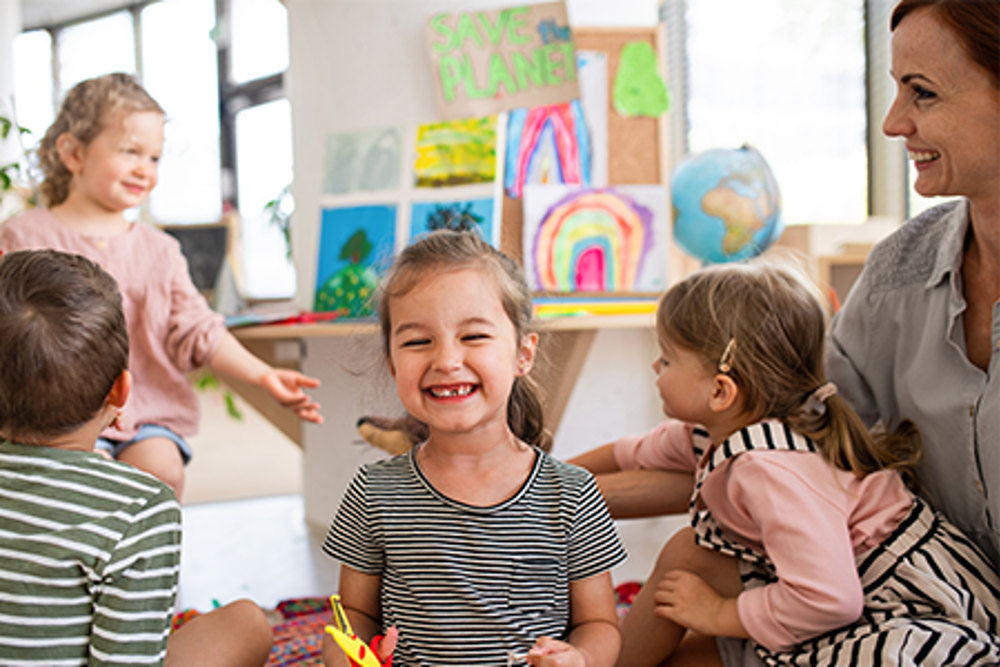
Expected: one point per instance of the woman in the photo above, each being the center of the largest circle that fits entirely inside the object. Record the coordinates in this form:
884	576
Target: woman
918	336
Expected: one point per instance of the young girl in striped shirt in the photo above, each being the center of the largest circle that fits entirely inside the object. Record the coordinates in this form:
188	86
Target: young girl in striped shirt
804	537
476	543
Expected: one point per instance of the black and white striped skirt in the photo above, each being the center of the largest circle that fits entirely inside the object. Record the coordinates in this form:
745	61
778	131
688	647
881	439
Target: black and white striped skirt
931	598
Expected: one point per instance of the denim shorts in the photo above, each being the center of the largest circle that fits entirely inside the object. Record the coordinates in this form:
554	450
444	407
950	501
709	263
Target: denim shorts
146	431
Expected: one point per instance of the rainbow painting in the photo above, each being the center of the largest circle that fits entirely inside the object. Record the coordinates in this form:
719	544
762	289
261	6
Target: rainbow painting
596	239
549	144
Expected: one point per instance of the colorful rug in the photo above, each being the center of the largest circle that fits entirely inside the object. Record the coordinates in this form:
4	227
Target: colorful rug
298	639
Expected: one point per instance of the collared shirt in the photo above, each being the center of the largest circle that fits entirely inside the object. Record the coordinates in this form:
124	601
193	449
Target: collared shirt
897	351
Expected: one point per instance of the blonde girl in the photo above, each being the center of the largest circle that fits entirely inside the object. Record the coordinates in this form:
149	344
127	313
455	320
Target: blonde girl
804	537
475	543
100	158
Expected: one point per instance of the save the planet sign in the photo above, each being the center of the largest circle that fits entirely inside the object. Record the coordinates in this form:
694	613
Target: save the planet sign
489	61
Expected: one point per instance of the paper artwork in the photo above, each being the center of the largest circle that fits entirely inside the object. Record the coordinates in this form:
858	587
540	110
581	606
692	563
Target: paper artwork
355	244
456	152
368	160
638	89
548	144
468	215
596	239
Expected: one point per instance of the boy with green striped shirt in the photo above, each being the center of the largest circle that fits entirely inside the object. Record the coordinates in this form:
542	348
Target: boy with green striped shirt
89	547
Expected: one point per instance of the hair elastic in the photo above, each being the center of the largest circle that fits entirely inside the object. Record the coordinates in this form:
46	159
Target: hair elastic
726	360
816	403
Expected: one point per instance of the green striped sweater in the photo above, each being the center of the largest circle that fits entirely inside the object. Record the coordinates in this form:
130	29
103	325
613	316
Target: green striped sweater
89	559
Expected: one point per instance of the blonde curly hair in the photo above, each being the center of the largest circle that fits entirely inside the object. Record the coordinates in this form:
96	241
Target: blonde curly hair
85	112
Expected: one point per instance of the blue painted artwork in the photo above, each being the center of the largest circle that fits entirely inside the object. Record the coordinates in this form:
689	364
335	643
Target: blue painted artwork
470	214
355	245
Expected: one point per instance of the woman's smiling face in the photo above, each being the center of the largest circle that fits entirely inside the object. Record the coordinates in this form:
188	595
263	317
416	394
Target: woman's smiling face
946	108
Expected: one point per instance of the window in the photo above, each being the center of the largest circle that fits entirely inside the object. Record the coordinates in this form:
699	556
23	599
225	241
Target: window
203	162
802	61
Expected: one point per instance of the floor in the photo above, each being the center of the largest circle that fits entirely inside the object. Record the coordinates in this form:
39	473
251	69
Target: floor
244	526
245	534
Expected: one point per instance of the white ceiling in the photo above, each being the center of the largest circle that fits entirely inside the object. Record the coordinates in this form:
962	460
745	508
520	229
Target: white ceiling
37	13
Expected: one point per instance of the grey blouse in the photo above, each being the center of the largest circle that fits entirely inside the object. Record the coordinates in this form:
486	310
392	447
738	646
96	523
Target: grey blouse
897	351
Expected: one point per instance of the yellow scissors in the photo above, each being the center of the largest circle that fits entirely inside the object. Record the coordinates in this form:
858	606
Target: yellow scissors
359	653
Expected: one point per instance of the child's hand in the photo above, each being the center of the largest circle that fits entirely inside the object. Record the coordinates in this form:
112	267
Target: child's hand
548	652
686	599
286	387
387	645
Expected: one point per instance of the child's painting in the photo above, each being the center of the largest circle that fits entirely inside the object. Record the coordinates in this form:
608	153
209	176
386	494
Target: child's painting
469	215
456	152
354	244
549	144
596	239
368	160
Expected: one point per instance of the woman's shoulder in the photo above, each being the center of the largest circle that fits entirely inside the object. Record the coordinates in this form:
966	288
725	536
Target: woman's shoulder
912	253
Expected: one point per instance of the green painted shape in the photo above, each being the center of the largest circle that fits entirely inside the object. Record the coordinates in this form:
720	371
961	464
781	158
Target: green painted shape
349	290
638	88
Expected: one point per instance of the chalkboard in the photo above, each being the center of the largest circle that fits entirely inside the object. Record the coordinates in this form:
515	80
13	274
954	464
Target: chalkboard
205	247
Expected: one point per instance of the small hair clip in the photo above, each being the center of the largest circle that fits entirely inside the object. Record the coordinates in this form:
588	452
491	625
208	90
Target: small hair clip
816	403
726	360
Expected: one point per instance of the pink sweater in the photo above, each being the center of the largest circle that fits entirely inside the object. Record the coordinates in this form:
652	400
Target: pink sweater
170	326
809	518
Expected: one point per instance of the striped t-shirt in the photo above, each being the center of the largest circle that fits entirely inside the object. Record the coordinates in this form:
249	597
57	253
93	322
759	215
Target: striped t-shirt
466	584
89	558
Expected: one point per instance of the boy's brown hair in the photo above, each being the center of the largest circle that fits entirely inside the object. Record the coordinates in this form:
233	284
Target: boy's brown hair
63	342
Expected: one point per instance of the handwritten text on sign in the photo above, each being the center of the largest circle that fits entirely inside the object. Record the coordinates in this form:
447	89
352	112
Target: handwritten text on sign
489	61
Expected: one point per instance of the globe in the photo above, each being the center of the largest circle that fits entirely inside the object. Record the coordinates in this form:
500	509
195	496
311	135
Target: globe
727	206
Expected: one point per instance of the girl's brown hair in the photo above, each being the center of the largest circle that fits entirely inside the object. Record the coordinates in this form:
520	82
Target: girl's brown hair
976	24
63	342
86	111
767	319
443	251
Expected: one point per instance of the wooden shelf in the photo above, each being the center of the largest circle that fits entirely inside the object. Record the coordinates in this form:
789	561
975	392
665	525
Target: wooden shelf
564	346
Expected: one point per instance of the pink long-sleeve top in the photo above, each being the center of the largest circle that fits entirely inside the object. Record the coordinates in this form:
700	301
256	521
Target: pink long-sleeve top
808	517
170	326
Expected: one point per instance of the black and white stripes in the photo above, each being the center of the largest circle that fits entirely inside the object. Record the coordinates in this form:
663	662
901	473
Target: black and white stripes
466	584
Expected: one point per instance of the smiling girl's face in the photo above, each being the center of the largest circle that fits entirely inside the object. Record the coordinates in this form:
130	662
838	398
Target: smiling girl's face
119	168
454	353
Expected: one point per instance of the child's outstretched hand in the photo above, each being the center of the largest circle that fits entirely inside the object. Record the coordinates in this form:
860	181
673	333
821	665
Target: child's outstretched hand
286	386
549	652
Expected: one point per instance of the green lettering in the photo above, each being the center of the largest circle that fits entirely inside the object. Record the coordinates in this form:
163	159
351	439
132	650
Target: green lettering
527	68
551	67
493	30
499	75
439	25
450	68
569	58
472	91
467	29
516	21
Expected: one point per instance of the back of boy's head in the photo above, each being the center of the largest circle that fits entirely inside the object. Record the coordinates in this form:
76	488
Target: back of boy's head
63	342
84	113
768	314
443	251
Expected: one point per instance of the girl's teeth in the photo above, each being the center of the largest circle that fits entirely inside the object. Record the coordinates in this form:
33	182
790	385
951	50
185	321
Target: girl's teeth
456	391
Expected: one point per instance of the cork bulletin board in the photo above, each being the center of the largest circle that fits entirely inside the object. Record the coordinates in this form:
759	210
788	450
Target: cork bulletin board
637	146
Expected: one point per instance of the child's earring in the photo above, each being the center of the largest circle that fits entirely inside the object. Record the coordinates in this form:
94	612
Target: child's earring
116	423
